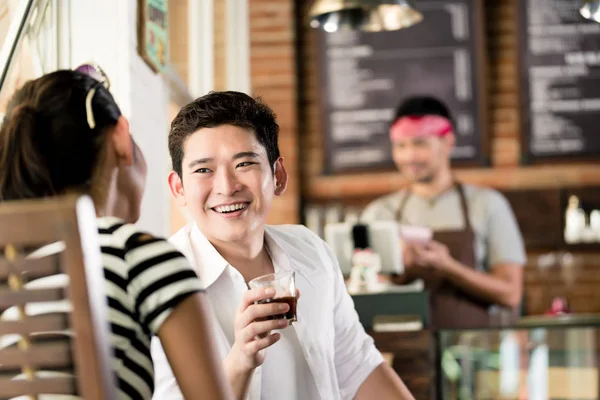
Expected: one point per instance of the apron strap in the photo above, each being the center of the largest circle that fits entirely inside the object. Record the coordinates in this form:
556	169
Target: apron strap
403	204
463	205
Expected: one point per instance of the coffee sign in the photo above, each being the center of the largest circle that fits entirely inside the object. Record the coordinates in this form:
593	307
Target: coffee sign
364	76
153	33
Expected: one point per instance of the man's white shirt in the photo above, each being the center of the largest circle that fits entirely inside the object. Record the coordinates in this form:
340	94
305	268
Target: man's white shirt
326	354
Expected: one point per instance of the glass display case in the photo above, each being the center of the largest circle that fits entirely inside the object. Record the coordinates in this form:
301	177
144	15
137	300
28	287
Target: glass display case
542	358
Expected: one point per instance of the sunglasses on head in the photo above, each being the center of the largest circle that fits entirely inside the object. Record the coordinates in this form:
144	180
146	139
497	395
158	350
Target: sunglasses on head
97	73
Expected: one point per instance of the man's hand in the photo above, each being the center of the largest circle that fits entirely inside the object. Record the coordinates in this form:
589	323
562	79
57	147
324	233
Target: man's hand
408	254
253	331
252	336
430	261
433	255
502	285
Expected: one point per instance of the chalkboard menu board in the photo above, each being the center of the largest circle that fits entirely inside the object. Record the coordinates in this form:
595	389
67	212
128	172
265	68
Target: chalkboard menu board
364	76
560	85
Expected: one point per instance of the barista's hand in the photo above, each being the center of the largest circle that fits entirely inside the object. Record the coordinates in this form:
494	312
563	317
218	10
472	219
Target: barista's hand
415	266
408	255
434	255
412	269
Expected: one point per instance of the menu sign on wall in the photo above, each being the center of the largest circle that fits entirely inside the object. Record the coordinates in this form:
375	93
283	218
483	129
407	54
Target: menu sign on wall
364	76
560	70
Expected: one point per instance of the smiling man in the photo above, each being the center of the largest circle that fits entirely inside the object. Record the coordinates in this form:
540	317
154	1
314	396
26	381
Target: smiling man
226	171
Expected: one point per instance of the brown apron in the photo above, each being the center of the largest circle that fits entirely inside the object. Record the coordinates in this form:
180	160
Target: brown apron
450	307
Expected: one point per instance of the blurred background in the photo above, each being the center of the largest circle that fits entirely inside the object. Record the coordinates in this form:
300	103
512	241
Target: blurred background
522	78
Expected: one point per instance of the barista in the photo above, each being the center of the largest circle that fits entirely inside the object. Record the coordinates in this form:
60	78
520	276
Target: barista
474	261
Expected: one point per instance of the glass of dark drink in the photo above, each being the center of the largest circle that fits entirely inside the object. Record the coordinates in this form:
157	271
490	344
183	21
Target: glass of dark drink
284	284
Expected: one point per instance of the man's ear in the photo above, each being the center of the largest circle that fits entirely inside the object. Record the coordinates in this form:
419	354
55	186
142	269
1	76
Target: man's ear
280	177
450	140
176	187
122	142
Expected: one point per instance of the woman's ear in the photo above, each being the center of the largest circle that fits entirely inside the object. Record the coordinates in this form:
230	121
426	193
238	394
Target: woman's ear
121	141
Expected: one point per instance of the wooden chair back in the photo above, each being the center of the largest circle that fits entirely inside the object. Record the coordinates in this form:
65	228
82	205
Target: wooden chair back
54	329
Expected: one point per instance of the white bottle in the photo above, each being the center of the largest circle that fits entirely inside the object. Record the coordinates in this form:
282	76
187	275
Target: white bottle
510	360
574	221
538	372
595	223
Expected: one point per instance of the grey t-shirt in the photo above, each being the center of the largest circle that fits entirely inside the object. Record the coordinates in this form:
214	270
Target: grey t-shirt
497	236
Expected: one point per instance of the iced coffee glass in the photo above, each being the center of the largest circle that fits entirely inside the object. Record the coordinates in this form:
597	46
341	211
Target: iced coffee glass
284	284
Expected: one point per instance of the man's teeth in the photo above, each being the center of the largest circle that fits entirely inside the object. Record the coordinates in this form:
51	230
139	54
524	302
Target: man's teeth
230	207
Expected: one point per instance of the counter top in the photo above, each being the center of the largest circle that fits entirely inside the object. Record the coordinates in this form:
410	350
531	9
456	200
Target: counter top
382	288
567	320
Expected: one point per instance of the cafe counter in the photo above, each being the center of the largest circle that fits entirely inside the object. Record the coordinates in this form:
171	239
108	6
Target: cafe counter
540	357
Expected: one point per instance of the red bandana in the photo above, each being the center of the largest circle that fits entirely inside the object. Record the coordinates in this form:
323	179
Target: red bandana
426	125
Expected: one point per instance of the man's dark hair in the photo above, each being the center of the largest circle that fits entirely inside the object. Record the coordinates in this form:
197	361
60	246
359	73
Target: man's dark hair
422	105
224	108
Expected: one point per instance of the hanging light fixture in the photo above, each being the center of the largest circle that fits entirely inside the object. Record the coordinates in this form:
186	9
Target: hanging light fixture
590	10
363	15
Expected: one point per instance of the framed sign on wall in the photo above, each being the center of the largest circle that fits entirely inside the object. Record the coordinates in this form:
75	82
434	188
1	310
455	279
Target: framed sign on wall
365	75
153	33
559	61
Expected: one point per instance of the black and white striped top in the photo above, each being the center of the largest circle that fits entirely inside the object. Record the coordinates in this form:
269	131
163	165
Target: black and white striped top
146	278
